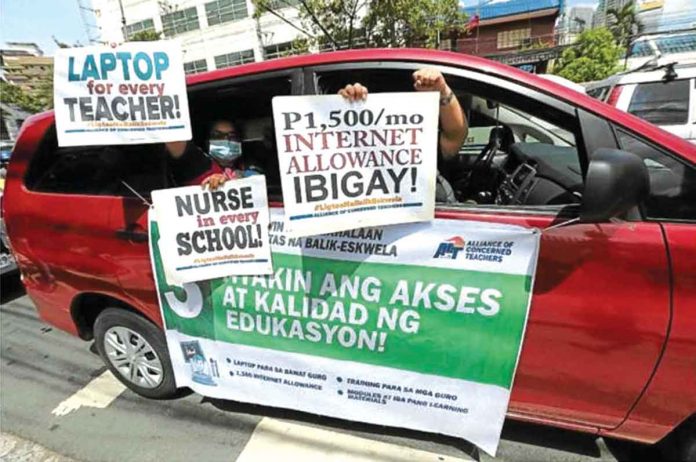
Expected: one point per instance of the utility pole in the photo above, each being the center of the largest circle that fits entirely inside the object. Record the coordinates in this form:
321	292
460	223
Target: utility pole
123	20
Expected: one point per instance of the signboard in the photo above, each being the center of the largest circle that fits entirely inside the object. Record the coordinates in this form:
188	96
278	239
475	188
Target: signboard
417	326
208	234
132	94
348	165
648	5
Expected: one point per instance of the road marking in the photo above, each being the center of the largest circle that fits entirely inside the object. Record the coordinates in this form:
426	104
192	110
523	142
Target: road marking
98	393
274	439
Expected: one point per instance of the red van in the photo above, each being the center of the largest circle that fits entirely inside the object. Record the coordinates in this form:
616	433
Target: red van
610	346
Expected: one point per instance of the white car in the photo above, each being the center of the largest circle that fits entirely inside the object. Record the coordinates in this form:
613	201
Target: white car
664	94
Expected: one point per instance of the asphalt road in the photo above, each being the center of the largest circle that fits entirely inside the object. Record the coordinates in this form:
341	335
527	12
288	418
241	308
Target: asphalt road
41	368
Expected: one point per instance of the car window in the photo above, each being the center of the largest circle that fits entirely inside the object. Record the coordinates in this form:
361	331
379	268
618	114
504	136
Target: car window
510	136
672	181
247	103
662	103
96	170
599	93
640	49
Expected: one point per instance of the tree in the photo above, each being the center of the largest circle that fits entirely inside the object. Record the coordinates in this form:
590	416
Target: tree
40	100
145	36
594	56
340	24
333	24
624	24
407	23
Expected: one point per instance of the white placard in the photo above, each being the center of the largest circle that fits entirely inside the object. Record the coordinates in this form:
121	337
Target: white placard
131	94
209	234
348	165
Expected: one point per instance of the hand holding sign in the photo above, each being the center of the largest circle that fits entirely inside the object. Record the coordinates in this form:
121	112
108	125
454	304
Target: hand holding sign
206	234
344	167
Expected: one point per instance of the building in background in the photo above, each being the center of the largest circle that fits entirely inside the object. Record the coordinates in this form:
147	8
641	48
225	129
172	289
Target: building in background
666	15
213	34
518	32
23	64
600	16
573	22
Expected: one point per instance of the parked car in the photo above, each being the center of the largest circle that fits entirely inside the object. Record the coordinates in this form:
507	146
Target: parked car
661	93
8	265
610	346
673	47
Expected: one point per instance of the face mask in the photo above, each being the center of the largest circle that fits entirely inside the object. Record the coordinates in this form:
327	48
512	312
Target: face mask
225	151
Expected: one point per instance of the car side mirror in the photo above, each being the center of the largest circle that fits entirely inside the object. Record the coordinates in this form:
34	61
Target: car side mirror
616	182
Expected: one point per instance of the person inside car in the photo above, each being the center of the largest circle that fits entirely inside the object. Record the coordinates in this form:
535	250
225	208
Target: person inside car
453	123
190	165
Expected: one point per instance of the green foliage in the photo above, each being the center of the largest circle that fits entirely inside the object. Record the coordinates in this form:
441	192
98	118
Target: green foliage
332	24
624	23
594	56
407	23
145	36
39	100
340	24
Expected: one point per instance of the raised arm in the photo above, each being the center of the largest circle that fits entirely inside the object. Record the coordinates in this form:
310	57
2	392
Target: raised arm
453	125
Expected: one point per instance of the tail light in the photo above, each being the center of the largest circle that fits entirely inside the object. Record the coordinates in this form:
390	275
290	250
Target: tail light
614	95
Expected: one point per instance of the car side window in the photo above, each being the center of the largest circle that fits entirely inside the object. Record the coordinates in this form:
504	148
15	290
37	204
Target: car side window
672	181
661	103
247	103
96	170
518	152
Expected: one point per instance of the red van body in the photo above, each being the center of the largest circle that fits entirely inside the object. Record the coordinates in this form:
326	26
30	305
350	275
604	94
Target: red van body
610	346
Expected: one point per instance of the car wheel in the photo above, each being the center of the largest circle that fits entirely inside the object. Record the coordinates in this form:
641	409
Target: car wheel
135	351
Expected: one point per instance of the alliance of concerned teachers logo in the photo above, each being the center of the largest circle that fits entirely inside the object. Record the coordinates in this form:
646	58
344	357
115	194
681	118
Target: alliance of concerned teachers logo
450	248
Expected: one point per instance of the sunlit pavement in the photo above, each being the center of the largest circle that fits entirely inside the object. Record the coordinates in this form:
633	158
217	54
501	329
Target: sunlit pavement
57	399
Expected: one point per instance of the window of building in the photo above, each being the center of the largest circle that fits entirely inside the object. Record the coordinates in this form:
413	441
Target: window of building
234	59
178	22
676	44
278	50
193	67
275	4
513	38
661	103
641	49
140	26
672	182
222	11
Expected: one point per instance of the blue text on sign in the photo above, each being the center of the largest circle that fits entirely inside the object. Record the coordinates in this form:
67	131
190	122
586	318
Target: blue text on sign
102	66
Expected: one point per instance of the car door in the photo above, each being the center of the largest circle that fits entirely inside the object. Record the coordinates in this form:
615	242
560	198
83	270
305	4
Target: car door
246	101
600	307
61	219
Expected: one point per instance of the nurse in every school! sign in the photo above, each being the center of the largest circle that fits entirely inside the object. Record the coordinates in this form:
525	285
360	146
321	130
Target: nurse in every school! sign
132	94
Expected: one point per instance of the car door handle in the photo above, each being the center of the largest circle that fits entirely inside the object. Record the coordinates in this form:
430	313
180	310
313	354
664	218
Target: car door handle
132	234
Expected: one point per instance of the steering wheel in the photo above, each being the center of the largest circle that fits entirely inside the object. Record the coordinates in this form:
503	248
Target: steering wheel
480	178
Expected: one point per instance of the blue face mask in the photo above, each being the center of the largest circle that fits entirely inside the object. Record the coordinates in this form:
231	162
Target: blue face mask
224	151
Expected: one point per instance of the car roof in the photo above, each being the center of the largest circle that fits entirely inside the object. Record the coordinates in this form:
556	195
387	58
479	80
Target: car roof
460	60
684	70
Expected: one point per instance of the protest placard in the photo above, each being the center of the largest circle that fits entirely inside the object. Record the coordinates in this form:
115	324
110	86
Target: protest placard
417	326
347	165
131	94
208	234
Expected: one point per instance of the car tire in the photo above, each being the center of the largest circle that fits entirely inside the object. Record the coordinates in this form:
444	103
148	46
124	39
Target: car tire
135	351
